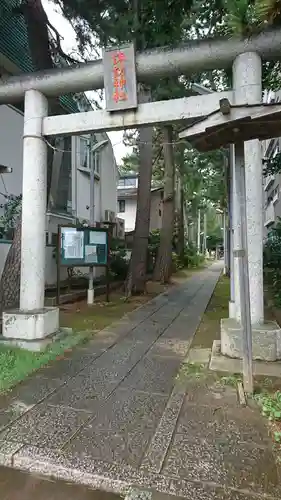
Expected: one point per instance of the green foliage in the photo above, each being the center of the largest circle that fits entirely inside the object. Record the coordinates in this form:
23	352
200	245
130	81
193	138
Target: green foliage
213	241
118	262
177	263
154	241
191	258
17	363
272	166
272	263
270	404
231	380
12	211
242	17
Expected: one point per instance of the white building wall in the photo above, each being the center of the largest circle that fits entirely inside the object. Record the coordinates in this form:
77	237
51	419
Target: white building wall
129	215
109	178
156	211
11	130
105	195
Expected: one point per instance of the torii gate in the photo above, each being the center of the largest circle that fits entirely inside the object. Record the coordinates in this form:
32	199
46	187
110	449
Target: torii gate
33	321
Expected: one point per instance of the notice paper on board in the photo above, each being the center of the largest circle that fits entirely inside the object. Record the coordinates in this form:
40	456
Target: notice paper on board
73	244
91	254
97	238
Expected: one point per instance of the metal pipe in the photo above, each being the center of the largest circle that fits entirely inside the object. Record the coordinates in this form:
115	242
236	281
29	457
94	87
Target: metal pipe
241	255
151	65
199	232
205	234
93	148
90	294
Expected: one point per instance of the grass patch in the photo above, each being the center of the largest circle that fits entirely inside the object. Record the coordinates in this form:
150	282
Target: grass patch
231	380
270	404
80	316
17	363
209	328
194	370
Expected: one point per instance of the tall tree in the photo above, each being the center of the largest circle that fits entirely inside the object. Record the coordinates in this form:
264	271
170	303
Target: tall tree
163	265
149	24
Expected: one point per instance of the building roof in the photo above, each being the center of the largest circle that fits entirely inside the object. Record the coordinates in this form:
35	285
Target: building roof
132	192
14	45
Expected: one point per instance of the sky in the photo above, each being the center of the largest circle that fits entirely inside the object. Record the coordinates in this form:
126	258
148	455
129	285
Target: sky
68	44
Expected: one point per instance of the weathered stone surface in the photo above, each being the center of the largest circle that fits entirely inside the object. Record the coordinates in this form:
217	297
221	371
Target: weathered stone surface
170	347
116	447
35	389
222	423
153	374
266	340
98	381
70	365
139	427
220	363
121	429
205	491
129	410
45	426
158	448
232	465
7	451
210	392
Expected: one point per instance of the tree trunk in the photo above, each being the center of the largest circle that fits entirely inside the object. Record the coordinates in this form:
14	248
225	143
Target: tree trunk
136	278
10	280
38	40
163	265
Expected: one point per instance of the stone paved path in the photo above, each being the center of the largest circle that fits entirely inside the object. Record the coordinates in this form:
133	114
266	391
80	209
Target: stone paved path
114	413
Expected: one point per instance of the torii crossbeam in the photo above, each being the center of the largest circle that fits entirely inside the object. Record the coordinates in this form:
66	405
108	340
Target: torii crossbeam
241	123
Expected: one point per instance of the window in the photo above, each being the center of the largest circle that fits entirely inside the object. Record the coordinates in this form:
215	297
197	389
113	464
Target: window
128	182
121	206
131	182
97	161
84	152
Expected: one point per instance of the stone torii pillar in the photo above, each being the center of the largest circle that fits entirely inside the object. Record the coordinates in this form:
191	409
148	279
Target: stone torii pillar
247	78
32	322
247	86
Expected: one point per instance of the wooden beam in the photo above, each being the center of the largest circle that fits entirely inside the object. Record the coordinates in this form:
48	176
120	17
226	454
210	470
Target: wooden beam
254	113
152	113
